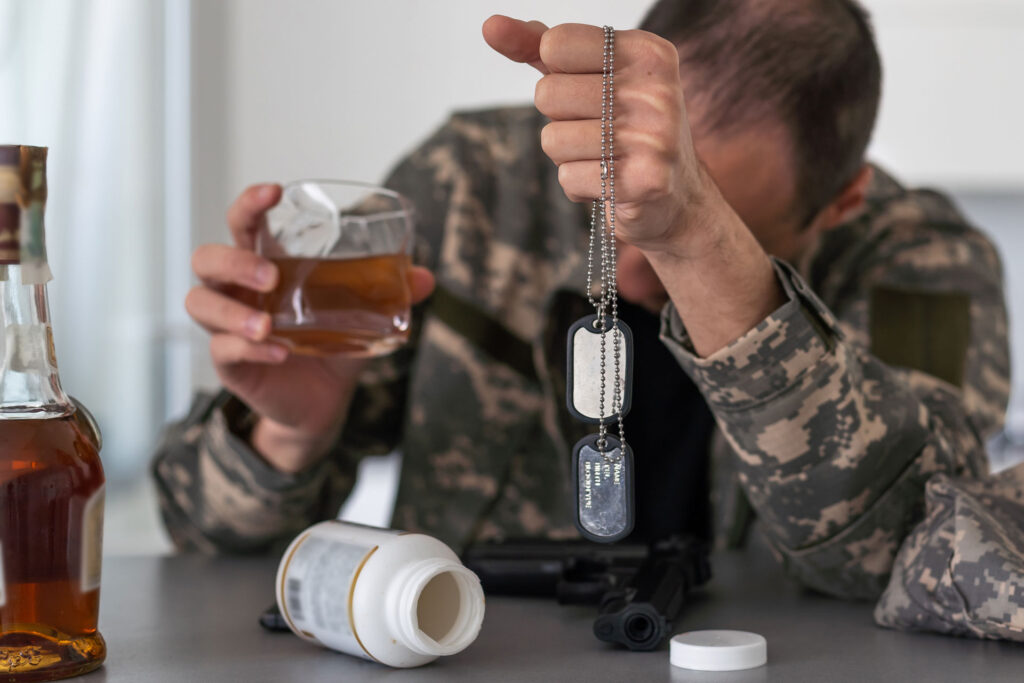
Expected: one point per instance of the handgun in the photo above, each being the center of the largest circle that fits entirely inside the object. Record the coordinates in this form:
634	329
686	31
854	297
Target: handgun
640	590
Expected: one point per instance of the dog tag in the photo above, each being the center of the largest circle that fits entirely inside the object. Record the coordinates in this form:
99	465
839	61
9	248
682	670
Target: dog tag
604	489
583	388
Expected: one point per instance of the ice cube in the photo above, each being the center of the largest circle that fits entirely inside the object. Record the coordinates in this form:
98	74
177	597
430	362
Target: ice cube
306	222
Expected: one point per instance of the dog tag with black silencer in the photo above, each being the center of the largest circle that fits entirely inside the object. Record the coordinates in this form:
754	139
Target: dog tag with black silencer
583	388
604	489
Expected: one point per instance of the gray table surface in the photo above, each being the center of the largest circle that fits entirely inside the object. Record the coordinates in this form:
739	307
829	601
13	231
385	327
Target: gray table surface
189	618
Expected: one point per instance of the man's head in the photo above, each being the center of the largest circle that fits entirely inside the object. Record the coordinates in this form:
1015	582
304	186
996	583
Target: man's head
782	97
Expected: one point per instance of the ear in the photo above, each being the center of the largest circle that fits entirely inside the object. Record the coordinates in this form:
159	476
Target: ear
848	202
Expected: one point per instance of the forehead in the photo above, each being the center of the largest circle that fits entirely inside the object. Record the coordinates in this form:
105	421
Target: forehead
751	162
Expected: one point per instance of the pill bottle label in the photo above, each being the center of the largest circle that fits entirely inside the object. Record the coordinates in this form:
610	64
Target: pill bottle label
317	587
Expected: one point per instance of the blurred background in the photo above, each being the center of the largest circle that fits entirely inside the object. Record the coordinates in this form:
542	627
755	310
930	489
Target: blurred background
159	112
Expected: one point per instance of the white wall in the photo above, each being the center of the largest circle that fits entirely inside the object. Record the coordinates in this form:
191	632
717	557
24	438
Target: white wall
322	87
300	88
952	98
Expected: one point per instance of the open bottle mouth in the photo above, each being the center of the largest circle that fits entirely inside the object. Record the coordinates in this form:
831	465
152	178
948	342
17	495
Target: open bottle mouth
441	609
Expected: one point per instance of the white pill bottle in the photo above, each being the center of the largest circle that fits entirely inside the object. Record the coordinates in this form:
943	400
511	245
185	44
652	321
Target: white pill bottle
401	599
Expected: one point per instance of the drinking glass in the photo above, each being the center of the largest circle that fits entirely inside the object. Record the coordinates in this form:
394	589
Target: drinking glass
342	249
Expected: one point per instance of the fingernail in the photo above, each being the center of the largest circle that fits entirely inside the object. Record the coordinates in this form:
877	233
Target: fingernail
255	325
277	353
264	275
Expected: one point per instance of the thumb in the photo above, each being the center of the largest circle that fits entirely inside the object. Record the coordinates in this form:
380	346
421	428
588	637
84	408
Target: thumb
517	40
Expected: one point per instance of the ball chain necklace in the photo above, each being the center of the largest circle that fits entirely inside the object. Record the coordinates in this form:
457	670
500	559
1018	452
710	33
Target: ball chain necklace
602	462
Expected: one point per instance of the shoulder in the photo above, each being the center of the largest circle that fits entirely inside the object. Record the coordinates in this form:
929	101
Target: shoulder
477	147
500	120
500	131
912	238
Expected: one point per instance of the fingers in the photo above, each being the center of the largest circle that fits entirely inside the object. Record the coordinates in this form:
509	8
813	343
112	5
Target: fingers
421	283
227	349
220	313
221	264
574	49
579	49
517	40
565	141
637	179
248	213
569	96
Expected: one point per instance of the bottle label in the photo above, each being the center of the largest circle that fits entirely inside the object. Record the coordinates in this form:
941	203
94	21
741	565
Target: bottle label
23	194
317	586
92	540
318	592
10	216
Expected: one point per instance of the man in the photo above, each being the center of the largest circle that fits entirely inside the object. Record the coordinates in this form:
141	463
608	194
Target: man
867	355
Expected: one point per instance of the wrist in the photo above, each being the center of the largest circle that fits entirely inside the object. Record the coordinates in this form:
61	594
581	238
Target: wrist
702	226
717	275
290	450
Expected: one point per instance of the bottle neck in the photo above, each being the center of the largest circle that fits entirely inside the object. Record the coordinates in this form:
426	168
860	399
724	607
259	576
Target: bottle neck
439	607
29	382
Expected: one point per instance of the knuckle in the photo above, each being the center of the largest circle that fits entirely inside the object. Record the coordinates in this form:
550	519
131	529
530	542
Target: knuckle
199	257
664	98
656	179
239	263
549	42
220	348
666	51
568	178
661	143
542	93
227	312
565	176
654	53
548	139
193	300
250	197
235	209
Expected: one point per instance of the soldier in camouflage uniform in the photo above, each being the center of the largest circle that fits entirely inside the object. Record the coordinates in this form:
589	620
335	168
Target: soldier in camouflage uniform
866	359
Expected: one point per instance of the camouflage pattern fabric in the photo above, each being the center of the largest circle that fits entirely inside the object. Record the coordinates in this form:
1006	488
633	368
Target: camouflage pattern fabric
832	445
962	570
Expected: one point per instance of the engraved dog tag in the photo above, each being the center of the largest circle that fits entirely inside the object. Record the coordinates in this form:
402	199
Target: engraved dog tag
583	388
604	489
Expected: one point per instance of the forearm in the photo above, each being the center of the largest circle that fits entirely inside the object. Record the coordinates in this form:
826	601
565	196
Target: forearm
289	450
720	280
217	495
833	446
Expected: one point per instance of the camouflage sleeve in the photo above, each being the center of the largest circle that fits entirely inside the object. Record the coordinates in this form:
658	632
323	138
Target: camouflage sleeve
962	570
833	445
218	495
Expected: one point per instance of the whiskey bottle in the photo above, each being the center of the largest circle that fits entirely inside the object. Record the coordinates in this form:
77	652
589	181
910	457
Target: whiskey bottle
51	480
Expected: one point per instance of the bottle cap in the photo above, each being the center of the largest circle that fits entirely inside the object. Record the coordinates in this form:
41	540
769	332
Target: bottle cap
718	650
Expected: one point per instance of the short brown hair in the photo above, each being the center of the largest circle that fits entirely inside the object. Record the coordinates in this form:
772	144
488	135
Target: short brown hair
810	64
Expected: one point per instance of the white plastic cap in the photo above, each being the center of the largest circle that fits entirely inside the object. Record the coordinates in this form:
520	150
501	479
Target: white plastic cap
718	650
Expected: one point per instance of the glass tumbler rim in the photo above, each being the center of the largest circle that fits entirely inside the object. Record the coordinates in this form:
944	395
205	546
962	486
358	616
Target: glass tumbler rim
380	189
397	207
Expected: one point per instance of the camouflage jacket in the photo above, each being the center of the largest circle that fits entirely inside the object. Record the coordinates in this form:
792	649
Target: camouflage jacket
962	570
888	365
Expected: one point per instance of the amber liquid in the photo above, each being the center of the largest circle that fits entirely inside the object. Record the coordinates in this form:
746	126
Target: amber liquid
357	306
49	471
